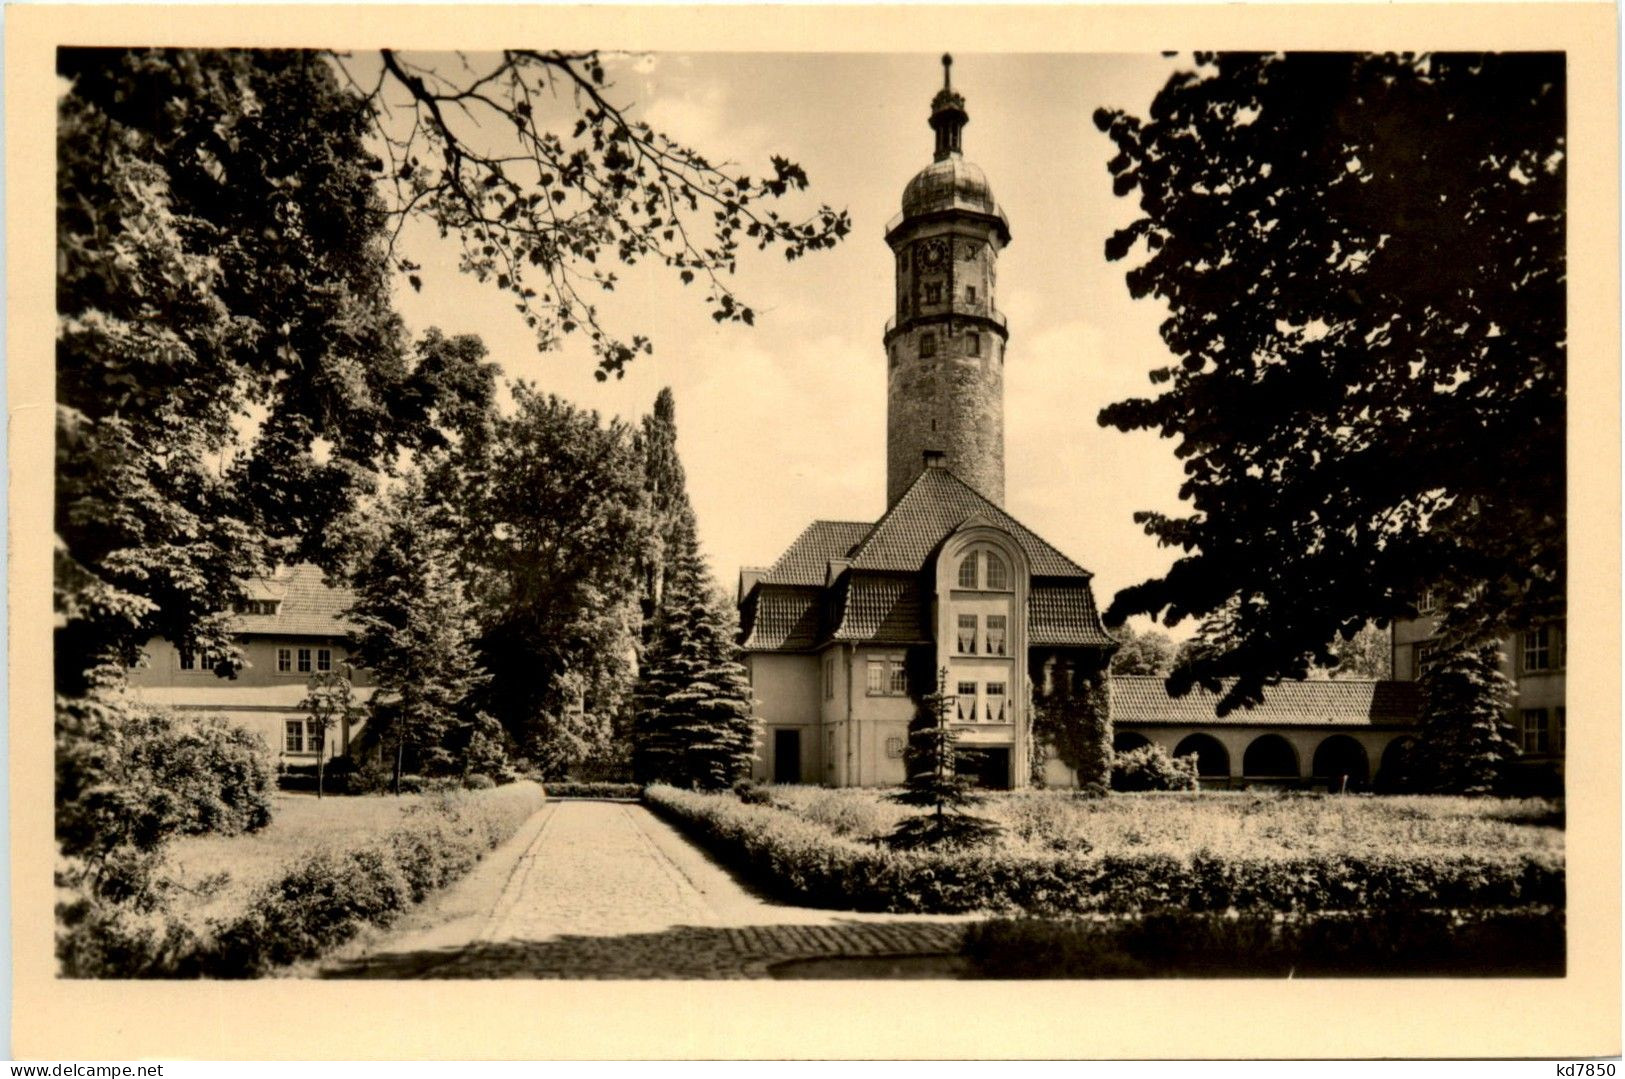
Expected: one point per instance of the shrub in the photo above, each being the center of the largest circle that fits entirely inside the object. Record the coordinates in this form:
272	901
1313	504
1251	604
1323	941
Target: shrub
319	901
1045	821
1497	943
804	862
753	793
479	782
593	790
1150	768
130	775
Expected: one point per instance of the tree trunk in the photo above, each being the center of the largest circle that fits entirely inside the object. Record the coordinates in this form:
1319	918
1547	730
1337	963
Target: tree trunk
321	754
400	749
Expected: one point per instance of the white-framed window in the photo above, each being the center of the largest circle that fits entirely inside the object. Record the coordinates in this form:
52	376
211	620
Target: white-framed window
995	702
1427	654
1537	649
1561	738
304	661
928	345
293	736
967	633
258	606
995	635
973	344
967	702
1534	731
897	678
324	659
1429	601
998	574
877	677
888	677
284	660
967	571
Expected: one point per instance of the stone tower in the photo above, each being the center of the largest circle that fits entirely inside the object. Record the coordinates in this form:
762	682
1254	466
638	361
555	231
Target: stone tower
945	343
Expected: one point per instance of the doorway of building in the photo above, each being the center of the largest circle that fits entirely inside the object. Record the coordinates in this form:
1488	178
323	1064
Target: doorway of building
989	768
787	756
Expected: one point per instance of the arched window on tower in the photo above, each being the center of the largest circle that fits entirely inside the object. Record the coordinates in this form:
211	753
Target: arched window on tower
998	575
967	571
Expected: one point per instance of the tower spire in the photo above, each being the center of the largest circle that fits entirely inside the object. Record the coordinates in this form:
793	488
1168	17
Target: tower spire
948	116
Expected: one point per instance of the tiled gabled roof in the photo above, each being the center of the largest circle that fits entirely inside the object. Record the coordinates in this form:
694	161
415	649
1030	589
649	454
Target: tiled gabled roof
883	609
1061	615
306	605
804	562
1143	699
781	619
934	505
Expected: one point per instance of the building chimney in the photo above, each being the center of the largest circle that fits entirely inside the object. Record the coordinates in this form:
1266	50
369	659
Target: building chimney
935	459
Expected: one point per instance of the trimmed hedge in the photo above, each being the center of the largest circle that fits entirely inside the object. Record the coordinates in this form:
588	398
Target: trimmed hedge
321	900
805	863
593	790
1393	943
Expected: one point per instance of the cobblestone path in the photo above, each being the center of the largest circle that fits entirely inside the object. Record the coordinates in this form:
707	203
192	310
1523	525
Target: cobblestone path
598	889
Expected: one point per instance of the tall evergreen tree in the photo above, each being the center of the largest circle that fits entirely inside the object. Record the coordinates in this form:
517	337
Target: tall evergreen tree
1465	746
694	725
415	632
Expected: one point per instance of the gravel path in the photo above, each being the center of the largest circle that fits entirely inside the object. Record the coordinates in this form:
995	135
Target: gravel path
600	889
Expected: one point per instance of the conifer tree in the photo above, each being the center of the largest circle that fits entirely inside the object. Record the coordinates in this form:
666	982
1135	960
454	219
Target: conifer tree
1464	745
415	632
934	760
694	725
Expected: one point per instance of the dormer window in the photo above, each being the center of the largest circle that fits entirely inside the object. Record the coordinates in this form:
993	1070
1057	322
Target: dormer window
259	606
998	575
994	573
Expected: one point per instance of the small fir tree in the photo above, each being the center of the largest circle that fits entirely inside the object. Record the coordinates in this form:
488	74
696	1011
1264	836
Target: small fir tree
934	783
329	701
1465	745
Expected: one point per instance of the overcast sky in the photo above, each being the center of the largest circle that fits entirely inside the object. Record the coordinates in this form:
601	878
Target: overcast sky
785	421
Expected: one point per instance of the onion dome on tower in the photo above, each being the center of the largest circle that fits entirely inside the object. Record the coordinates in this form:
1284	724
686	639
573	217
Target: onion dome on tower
945	342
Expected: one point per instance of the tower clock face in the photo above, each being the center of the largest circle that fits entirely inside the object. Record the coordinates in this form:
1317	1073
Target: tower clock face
933	253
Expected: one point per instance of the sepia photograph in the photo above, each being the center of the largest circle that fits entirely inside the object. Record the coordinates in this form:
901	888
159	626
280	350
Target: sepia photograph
921	513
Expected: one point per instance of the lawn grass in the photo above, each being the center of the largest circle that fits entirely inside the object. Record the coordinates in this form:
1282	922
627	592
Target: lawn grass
1268	824
217	874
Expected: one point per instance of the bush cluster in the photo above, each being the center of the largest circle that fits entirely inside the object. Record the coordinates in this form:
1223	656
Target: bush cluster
1150	768
134	776
804	862
1390	943
593	790
320	901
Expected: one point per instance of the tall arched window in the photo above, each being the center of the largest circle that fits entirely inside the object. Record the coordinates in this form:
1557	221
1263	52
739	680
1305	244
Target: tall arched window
967	571
998	575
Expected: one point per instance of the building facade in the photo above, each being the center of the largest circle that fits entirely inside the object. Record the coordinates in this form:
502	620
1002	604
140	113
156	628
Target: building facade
857	620
1536	662
291	627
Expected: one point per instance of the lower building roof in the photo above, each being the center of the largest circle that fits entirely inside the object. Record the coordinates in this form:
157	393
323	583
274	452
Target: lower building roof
1143	700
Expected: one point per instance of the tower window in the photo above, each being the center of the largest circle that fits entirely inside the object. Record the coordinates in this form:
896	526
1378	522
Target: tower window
967	634
970	293
928	345
973	344
933	293
967	571
997	576
995	634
